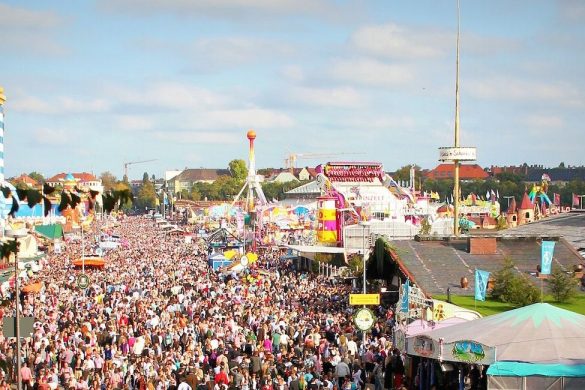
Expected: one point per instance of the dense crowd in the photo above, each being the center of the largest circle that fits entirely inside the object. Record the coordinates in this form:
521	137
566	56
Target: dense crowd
158	317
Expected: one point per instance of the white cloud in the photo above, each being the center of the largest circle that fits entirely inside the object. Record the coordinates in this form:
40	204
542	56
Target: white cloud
58	106
168	95
572	10
25	31
134	122
198	137
328	97
257	118
293	73
371	72
237	10
230	52
393	41
51	137
552	122
21	18
524	90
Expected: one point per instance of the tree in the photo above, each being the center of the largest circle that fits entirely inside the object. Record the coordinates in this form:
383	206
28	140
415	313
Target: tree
145	178
122	186
146	196
37	176
562	286
108	180
238	169
562	165
511	287
403	174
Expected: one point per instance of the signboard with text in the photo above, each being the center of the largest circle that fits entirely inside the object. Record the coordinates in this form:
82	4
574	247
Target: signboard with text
364	299
457	154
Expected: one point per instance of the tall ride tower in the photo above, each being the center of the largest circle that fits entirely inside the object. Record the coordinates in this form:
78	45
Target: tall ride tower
252	183
2	100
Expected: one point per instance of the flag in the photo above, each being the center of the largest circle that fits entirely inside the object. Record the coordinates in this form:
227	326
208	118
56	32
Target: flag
487	195
481	281
557	199
404	301
575	200
547	250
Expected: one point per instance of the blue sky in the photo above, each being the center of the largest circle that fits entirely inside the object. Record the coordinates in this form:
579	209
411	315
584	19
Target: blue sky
92	84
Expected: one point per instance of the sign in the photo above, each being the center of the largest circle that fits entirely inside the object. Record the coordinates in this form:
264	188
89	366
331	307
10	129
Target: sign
457	154
547	250
83	281
364	319
364	299
26	326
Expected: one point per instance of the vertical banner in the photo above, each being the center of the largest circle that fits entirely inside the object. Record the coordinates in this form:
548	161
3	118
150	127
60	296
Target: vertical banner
405	293
547	250
481	281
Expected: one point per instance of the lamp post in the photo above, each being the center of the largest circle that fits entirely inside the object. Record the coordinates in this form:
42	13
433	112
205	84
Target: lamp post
16	234
364	225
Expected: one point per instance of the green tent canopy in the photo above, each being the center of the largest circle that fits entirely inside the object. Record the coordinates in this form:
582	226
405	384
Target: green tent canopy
52	232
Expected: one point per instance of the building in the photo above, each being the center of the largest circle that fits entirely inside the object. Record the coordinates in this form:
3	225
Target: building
466	172
26	180
83	179
521	170
186	179
288	175
558	176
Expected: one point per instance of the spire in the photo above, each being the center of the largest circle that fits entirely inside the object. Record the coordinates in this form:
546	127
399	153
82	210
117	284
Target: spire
526	203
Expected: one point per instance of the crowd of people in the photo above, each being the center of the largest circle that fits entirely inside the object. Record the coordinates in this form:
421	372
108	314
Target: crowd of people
158	317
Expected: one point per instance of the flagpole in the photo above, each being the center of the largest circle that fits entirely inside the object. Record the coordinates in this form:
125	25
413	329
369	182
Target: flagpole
474	289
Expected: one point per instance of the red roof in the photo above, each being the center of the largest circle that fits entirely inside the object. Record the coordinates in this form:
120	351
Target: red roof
83	177
27	180
466	172
526	203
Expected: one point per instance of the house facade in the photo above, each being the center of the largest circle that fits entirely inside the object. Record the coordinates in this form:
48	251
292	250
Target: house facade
186	179
84	179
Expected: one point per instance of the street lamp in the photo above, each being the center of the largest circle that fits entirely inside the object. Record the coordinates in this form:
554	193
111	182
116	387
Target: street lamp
364	225
16	234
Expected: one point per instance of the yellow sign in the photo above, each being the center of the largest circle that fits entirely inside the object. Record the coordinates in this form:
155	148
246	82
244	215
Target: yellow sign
364	299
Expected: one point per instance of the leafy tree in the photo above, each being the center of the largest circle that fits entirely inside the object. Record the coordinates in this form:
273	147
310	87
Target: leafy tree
238	169
562	165
146	195
511	287
562	286
226	187
122	186
145	178
404	173
37	176
108	180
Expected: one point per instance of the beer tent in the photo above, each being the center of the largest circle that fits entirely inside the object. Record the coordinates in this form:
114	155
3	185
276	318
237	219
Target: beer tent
535	346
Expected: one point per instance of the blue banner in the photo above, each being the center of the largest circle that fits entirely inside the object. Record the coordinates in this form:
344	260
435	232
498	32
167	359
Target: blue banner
547	250
405	292
481	281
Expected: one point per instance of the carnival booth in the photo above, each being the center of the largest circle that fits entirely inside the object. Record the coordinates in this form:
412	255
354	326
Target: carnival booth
534	347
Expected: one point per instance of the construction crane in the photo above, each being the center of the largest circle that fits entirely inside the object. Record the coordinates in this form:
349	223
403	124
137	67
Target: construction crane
291	161
127	164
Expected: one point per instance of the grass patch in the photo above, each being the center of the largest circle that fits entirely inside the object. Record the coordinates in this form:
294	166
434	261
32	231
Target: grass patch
490	306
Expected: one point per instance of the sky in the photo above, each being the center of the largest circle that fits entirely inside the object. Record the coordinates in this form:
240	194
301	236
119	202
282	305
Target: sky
93	84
